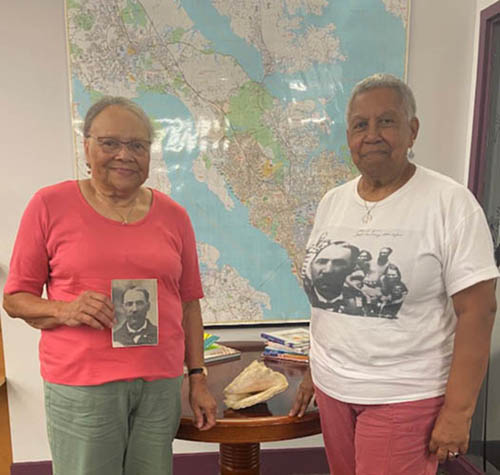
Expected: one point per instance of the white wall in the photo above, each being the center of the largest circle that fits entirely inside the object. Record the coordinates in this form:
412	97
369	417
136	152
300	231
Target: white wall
37	149
35	138
441	52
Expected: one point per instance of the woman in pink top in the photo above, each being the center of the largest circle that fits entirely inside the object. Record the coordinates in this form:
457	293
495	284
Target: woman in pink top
112	385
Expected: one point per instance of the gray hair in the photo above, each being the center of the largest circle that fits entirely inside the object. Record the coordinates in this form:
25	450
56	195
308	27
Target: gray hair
384	80
127	104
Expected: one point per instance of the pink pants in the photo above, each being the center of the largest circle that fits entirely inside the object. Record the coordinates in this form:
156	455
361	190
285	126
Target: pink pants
382	439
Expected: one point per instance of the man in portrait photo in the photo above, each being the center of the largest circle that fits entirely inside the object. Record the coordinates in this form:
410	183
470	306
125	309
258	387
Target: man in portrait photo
324	281
137	329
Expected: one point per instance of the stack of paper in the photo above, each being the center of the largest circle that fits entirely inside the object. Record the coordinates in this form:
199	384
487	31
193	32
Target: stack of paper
287	345
215	352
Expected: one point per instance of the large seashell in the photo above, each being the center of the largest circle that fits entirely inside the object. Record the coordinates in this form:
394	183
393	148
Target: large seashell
256	383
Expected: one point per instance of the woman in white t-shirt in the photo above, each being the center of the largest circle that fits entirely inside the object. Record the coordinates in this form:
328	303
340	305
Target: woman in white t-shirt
400	275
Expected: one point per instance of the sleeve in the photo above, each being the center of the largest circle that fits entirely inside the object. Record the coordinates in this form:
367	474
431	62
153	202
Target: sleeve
190	281
29	265
469	256
319	218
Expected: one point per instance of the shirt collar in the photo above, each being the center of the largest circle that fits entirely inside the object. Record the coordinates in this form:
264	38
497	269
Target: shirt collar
139	330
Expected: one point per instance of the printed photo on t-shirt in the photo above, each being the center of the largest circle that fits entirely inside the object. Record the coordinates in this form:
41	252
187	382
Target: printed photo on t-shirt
359	277
136	311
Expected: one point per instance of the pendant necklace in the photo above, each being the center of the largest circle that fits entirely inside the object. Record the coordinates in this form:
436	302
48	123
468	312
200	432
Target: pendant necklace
368	214
405	176
124	219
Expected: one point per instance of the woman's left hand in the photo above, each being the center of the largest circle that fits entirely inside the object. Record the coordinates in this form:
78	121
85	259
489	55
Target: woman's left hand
450	436
475	308
202	403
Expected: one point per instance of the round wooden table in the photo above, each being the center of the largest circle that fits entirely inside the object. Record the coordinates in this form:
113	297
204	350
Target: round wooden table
240	432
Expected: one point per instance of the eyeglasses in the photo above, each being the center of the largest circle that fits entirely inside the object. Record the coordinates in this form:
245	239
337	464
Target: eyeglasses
111	145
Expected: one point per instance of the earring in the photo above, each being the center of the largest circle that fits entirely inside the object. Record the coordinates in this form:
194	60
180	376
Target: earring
88	167
411	154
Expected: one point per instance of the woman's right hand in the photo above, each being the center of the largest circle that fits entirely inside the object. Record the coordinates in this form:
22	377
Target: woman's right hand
89	308
303	396
42	323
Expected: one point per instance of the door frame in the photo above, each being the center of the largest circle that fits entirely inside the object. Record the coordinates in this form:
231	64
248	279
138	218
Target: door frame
489	17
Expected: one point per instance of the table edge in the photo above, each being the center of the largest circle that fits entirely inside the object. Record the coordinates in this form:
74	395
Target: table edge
250	430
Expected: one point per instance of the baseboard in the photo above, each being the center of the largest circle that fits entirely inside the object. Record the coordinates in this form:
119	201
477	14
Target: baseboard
31	468
304	461
460	466
493	452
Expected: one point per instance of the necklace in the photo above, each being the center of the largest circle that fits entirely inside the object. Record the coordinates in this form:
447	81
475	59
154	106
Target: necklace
124	219
367	217
389	189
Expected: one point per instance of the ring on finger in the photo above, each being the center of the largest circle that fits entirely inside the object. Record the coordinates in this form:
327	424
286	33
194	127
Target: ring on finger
453	454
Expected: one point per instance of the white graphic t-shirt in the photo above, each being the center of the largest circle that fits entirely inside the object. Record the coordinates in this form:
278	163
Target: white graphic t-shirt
379	278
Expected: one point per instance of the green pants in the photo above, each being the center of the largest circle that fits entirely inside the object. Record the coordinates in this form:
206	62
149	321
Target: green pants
118	428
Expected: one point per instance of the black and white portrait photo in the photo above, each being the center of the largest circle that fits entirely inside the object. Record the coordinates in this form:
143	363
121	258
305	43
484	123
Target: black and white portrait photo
342	277
136	309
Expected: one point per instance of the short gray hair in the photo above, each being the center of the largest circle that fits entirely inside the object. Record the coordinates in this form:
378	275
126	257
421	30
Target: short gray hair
384	80
127	104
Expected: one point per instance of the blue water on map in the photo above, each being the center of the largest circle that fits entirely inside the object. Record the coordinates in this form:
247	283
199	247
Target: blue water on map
81	97
362	51
333	81
217	29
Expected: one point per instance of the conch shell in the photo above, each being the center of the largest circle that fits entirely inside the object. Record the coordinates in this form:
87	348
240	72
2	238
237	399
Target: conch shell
256	383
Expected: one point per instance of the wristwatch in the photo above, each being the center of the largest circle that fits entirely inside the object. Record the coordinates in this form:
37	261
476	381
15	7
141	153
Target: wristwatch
201	369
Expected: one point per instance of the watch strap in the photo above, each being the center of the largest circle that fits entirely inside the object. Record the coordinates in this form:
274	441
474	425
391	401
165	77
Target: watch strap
200	370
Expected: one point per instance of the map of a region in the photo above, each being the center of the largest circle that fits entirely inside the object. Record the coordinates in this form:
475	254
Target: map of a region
248	100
